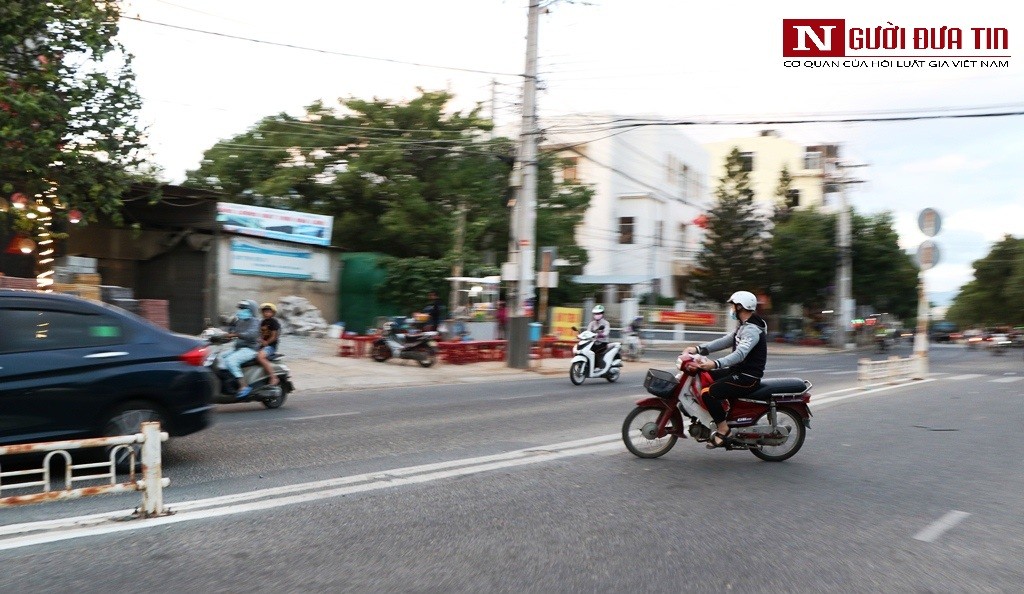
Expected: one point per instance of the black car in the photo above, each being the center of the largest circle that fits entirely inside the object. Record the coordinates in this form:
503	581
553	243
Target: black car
72	368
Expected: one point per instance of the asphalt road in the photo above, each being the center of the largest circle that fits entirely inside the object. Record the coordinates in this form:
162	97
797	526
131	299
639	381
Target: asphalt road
525	486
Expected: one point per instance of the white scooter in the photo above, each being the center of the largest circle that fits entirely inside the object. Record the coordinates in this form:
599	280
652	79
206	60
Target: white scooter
583	365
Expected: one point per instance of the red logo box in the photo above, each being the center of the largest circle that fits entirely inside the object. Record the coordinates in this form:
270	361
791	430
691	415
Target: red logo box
813	38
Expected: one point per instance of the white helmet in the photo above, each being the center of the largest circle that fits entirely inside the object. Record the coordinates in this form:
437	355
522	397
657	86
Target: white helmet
744	299
598	309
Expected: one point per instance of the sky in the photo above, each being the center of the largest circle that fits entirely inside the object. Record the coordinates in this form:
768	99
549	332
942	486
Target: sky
650	58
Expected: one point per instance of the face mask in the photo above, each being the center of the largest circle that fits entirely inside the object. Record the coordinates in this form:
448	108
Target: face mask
732	314
244	314
598	316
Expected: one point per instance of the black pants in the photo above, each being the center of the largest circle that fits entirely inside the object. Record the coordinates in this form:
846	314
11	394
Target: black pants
600	348
727	384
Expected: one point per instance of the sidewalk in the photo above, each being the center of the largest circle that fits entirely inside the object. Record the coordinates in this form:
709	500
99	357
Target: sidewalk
315	367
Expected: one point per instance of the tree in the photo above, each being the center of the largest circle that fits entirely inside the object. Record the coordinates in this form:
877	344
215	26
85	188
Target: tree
736	246
995	294
804	258
884	275
396	177
68	104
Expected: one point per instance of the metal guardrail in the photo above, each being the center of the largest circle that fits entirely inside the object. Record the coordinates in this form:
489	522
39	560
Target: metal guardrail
893	369
151	482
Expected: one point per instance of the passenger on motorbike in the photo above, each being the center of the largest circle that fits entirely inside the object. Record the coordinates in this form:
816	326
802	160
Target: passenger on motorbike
601	328
738	373
245	329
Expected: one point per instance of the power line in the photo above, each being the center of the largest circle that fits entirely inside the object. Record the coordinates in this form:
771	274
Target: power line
319	50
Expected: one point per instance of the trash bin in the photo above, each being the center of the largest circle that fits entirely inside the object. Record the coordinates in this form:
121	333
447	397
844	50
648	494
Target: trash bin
535	331
336	330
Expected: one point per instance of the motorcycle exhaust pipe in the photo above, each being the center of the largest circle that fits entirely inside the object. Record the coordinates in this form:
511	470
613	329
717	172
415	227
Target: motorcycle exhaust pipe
761	435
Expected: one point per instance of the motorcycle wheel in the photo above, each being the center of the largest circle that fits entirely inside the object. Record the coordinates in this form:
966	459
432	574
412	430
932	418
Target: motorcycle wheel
578	373
380	353
638	433
278	400
429	358
797	433
613	375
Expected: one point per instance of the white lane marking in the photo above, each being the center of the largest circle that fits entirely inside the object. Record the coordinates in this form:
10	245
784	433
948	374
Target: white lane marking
1007	380
344	414
935	530
786	369
829	398
381	481
841	372
967	376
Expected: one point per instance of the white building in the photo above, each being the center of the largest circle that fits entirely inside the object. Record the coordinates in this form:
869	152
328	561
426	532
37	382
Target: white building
811	167
649	183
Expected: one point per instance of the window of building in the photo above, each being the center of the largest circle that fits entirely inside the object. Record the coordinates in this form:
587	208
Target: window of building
812	160
659	233
570	172
747	162
670	168
625	229
793	198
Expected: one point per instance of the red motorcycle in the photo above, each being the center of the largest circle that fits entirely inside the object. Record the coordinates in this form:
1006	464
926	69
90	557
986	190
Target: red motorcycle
771	422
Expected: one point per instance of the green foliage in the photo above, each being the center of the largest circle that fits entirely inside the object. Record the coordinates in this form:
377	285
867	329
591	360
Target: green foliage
883	274
995	295
68	104
804	256
408	281
394	176
736	246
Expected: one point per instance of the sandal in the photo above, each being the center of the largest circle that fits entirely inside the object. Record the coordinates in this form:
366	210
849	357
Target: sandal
723	439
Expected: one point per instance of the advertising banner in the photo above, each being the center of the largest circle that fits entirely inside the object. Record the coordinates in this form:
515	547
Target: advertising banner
699	318
253	259
562	321
300	227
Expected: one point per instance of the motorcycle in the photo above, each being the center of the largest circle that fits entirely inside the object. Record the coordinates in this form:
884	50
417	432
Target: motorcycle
771	422
420	347
999	344
255	376
632	347
583	361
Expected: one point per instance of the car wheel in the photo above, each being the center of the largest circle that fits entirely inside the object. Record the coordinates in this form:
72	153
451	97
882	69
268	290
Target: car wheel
127	419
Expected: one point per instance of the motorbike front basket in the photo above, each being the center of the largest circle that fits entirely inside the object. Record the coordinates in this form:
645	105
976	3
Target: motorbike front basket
660	383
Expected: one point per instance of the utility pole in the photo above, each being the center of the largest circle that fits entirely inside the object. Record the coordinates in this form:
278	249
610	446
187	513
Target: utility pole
526	204
524	216
460	240
844	272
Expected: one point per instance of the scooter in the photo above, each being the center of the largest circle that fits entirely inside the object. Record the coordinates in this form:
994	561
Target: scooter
770	422
420	347
583	361
255	375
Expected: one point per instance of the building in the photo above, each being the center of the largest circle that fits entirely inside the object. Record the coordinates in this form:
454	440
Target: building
203	256
812	167
650	184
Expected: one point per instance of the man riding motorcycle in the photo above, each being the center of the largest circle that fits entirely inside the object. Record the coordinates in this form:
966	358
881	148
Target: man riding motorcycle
245	329
738	373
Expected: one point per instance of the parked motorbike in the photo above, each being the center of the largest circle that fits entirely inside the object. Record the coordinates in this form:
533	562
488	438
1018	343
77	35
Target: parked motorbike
771	422
255	375
420	346
583	364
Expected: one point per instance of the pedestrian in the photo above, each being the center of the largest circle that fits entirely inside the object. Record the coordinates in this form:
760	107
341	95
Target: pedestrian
501	315
433	310
739	373
270	331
